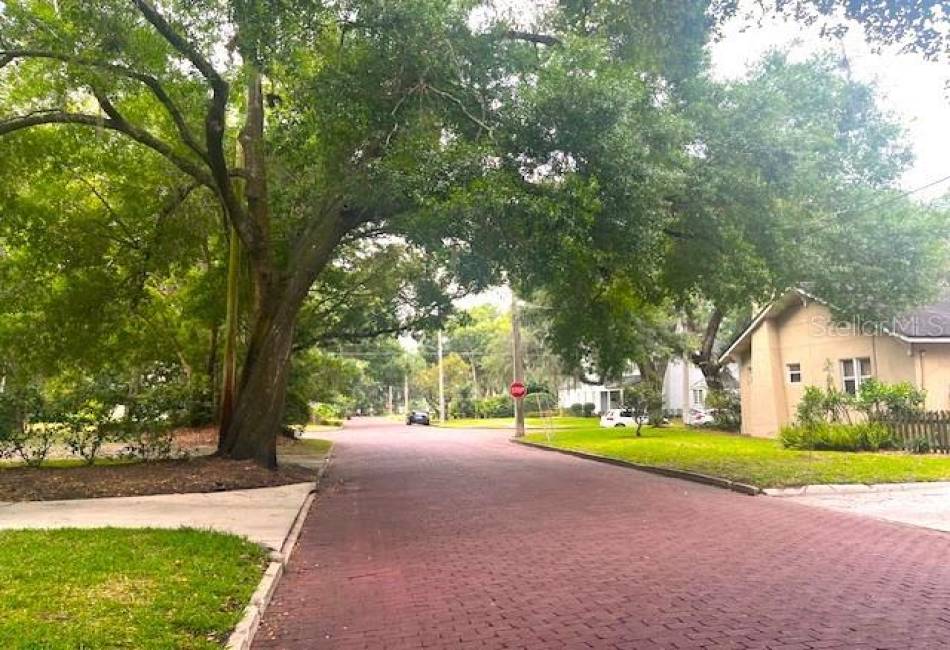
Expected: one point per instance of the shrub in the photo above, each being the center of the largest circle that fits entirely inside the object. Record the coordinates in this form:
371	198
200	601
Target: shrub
24	430
727	409
327	414
919	446
825	436
500	406
576	409
589	409
819	406
150	443
296	410
878	400
87	428
876	436
146	428
795	436
462	407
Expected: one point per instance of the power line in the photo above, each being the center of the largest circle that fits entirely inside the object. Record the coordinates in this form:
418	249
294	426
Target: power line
900	196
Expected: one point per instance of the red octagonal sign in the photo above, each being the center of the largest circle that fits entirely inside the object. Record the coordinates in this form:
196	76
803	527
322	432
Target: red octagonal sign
518	389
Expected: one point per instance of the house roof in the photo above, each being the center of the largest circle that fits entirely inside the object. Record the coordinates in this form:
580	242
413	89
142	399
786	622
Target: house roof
927	324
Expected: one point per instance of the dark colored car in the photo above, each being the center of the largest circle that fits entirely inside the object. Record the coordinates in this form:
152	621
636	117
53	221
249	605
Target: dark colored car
418	417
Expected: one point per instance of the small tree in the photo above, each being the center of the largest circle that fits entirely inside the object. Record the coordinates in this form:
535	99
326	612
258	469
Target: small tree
878	400
645	398
818	406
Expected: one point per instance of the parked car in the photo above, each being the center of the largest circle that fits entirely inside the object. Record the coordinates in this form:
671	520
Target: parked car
625	418
418	417
699	415
622	418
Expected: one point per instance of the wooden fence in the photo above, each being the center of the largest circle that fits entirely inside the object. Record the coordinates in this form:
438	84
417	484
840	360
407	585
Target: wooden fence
922	431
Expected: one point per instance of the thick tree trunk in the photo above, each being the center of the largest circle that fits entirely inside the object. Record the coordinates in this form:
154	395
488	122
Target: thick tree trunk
229	370
704	359
259	408
212	370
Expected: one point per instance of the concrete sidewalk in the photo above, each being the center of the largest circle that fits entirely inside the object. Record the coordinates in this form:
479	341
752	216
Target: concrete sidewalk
263	515
917	504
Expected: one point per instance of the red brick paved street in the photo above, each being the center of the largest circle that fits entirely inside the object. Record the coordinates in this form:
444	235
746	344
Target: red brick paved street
430	538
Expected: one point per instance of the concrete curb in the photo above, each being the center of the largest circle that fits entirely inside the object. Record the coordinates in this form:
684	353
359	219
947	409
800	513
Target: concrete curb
696	477
244	632
852	488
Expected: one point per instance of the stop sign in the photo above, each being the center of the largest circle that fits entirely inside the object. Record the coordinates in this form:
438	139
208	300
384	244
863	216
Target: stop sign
518	389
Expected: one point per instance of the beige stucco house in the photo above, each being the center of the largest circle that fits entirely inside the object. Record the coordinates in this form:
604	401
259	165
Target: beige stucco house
793	342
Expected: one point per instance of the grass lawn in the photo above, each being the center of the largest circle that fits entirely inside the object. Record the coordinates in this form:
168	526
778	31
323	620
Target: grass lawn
757	461
556	422
113	588
318	428
72	462
314	446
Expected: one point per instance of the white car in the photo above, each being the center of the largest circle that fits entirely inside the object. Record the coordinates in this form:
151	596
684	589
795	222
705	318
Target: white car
699	415
622	418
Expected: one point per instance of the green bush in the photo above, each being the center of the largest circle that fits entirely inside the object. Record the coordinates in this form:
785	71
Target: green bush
27	429
727	409
296	410
878	400
88	427
327	414
819	406
501	406
462	407
585	410
825	436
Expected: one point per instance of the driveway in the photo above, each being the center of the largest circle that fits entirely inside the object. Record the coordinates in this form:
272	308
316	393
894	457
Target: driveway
430	538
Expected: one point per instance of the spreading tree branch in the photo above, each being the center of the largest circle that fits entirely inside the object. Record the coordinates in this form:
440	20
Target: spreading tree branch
215	121
540	39
180	43
455	100
141	136
152	83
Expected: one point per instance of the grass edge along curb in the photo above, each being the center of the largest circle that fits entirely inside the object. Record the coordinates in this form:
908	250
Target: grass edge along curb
242	637
696	477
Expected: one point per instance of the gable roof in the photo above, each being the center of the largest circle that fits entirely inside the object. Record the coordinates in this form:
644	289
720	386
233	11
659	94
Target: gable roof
927	324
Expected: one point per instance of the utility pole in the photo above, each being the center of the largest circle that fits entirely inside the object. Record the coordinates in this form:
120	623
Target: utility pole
405	392
518	364
391	399
441	382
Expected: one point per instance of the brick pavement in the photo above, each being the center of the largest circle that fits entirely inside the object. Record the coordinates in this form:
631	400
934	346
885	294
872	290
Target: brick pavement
430	538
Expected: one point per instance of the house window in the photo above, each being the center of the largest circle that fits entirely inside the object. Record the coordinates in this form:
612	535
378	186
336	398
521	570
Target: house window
699	396
795	373
853	373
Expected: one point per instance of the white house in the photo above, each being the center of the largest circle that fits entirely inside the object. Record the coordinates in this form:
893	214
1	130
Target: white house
675	386
603	396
